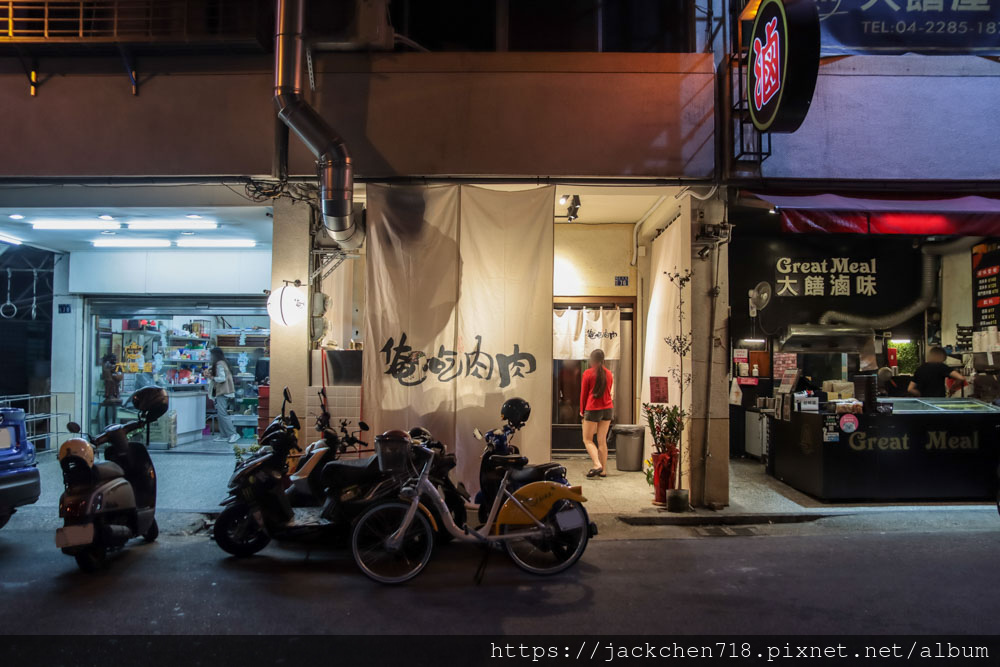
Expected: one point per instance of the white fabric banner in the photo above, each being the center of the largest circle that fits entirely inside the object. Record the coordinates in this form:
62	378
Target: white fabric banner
459	298
578	332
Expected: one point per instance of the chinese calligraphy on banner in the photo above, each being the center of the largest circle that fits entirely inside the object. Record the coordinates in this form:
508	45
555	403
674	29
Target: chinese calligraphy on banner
578	332
458	317
889	27
834	276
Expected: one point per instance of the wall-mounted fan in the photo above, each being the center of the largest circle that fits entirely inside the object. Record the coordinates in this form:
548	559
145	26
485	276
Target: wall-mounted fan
760	296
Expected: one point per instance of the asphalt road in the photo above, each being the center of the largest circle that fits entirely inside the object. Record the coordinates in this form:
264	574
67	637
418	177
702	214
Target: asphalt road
827	577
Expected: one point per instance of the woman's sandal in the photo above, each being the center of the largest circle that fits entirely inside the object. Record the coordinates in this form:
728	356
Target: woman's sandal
596	472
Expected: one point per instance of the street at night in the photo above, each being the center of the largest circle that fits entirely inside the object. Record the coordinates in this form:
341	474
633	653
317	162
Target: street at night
930	572
442	332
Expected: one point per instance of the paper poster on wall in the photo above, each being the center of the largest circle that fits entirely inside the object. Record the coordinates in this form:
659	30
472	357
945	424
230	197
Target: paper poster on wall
659	390
576	332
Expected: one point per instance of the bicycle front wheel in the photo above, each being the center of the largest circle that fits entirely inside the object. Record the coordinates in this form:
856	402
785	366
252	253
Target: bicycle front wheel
557	548
372	553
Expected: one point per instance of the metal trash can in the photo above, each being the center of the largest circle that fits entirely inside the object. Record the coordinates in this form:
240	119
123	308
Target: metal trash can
629	442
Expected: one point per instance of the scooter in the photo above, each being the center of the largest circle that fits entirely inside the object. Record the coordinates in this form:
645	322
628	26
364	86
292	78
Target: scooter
306	488
258	509
107	503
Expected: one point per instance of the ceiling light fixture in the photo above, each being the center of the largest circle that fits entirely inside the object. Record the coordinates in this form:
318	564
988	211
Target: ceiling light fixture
171	224
216	243
9	239
105	216
193	216
187	233
131	243
563	200
108	232
77	224
16	216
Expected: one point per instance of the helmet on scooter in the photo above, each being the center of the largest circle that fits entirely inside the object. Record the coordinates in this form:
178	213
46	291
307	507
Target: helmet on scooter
79	448
151	402
516	411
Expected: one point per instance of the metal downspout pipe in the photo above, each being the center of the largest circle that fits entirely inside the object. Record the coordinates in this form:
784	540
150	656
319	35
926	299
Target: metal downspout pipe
333	161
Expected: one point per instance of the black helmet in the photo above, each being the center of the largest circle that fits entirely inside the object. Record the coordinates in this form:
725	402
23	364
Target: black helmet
516	411
151	402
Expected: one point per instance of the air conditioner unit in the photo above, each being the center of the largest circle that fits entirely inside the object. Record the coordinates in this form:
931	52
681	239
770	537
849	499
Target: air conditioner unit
360	25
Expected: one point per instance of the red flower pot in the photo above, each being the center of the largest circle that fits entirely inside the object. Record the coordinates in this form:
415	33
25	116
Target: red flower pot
664	473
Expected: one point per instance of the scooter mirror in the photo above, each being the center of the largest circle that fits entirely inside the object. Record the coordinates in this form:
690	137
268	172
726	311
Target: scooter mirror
287	395
477	433
363	426
73	427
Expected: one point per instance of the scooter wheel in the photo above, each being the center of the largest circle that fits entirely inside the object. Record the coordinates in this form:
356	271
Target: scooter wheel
92	559
153	532
237	533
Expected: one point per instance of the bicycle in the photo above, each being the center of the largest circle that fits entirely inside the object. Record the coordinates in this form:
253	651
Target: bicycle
542	525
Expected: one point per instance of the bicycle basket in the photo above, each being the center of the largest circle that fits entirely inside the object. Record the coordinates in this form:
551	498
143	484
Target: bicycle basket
393	451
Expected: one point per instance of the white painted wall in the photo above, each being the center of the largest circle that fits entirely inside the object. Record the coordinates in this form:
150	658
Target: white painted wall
588	257
68	344
896	117
956	294
234	272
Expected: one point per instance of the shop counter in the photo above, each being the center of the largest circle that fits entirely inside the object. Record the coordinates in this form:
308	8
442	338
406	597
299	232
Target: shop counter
927	449
189	402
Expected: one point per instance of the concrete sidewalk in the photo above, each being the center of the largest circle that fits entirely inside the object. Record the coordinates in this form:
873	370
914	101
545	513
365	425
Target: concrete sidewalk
755	497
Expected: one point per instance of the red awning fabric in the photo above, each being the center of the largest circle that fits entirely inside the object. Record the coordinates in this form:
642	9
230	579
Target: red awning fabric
924	215
916	224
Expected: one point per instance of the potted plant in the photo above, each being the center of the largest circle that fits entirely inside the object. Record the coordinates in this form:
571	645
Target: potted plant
666	425
667	422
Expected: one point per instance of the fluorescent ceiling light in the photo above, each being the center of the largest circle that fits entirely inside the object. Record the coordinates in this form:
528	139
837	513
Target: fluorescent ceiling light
901	341
9	239
131	243
753	340
172	224
193	216
105	216
16	216
216	243
80	223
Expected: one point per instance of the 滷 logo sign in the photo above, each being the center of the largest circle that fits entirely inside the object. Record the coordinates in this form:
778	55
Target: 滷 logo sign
767	57
782	63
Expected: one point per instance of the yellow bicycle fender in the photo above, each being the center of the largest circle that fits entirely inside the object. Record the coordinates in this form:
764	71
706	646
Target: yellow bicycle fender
538	498
430	517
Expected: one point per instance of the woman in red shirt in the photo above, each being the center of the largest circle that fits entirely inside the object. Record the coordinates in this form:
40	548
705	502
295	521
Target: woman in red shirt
596	408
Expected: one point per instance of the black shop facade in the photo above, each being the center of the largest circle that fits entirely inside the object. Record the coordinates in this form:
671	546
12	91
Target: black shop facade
833	313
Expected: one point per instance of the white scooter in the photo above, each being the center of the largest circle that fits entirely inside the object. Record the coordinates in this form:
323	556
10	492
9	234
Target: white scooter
107	503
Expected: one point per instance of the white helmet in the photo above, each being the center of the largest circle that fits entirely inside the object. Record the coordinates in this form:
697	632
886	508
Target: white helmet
77	447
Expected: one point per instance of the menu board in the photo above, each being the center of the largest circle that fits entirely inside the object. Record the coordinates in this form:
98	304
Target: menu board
985	285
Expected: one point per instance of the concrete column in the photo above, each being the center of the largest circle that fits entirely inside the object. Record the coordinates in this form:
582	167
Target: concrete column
710	386
290	249
69	359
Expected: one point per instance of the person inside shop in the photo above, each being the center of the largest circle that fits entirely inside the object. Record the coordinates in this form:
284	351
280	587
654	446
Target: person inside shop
929	379
223	391
596	408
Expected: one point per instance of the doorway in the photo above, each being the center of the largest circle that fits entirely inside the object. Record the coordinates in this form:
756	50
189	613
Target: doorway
567	429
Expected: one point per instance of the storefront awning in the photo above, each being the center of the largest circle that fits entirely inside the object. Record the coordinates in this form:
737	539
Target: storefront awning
831	213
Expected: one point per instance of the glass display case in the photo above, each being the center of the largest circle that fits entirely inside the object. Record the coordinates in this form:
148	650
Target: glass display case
906	406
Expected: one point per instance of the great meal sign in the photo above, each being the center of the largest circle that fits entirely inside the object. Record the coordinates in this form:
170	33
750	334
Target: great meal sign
832	276
890	27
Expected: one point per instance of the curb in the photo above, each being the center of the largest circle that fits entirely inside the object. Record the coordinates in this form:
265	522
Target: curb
695	519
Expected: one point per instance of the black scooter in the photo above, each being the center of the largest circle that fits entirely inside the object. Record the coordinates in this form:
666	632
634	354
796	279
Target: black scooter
258	508
107	503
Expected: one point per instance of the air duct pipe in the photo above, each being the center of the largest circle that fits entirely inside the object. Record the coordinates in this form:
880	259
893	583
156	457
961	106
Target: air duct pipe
333	162
928	289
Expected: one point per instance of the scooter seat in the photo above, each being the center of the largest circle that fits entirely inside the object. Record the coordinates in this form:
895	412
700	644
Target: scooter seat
534	473
343	473
508	460
105	470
